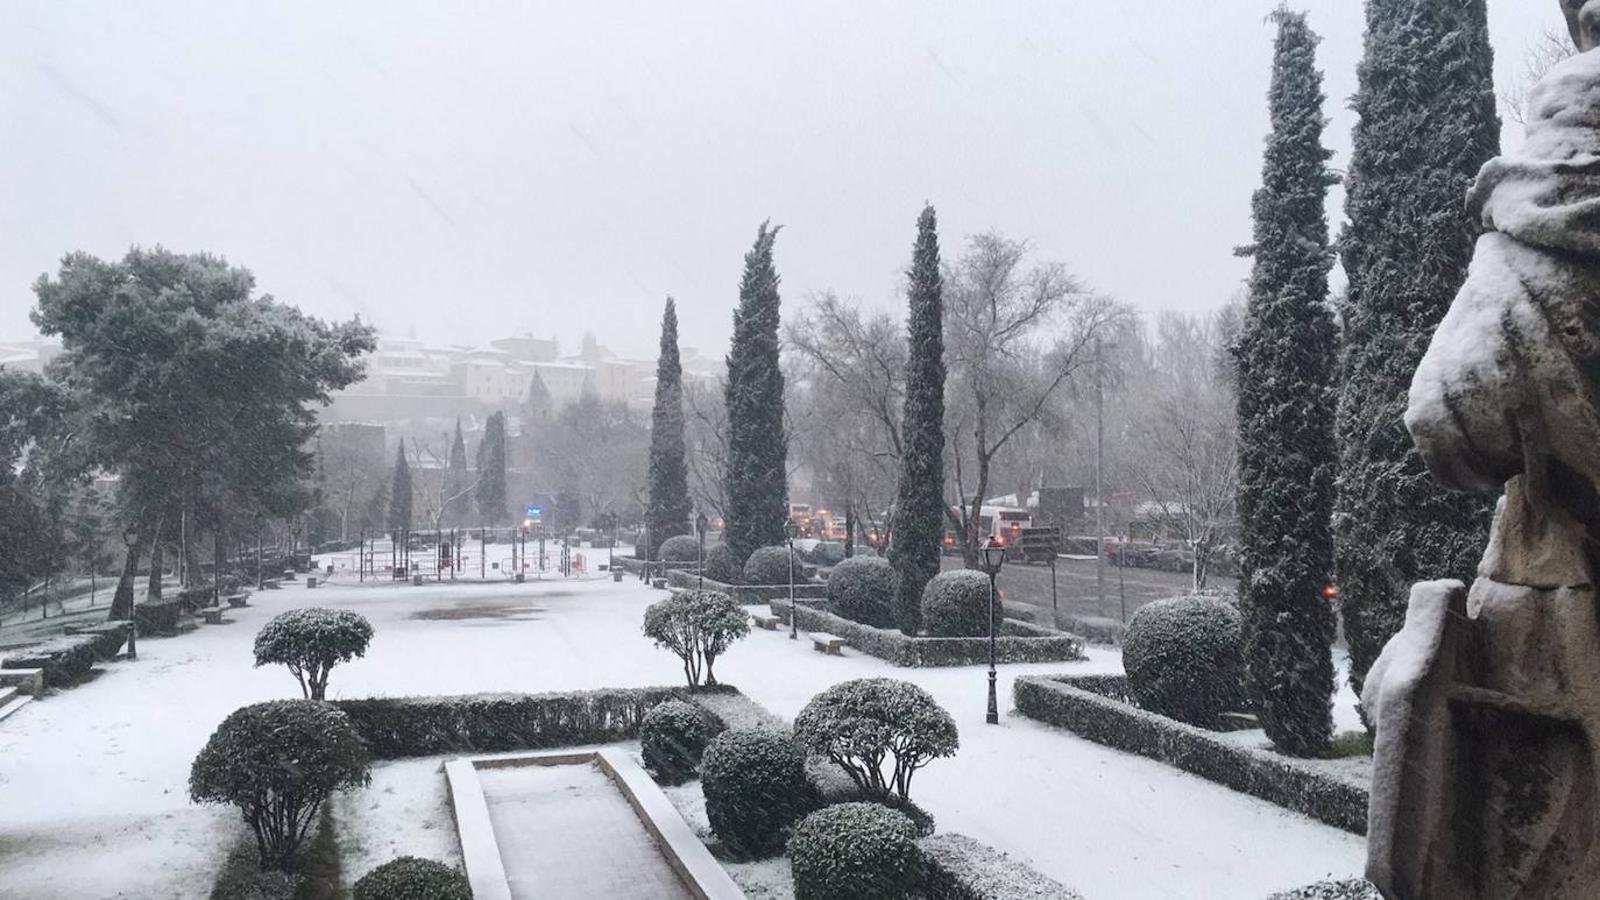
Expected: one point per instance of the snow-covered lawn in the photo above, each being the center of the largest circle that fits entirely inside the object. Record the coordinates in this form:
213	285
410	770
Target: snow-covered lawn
94	803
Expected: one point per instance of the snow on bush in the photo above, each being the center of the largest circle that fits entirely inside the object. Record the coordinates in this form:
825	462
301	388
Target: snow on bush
863	723
697	626
770	565
672	738
722	564
311	642
861	589
855	851
413	878
956	604
1348	889
1185	659
956	867
278	762
755	785
680	548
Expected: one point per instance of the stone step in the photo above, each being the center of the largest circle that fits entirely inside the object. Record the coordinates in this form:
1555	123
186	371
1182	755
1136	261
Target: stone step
7	707
26	681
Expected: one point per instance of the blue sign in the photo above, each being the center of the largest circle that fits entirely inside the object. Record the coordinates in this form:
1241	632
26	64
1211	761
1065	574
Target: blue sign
533	512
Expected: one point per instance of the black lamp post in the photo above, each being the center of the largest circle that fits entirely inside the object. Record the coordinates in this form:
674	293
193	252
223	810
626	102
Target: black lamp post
790	530
700	524
994	556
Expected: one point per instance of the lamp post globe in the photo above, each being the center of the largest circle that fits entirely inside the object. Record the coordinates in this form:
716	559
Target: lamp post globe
994	556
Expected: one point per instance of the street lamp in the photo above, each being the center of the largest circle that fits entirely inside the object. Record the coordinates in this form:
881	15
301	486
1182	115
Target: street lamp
700	524
790	530
994	556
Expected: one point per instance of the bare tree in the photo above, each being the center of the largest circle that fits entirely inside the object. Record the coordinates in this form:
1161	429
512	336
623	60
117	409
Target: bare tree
1541	55
1014	338
1185	456
706	437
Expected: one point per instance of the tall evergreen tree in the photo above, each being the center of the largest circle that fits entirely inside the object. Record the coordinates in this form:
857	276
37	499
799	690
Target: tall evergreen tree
919	512
457	493
1427	122
400	492
1286	404
491	492
668	512
758	449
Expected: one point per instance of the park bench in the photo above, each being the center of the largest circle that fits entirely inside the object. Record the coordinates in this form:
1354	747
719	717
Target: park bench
770	623
822	642
237	601
212	614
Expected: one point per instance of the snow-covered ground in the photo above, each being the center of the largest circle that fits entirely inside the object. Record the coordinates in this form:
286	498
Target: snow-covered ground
93	798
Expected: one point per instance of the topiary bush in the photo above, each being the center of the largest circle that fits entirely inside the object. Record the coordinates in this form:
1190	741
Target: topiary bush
278	762
956	604
722	564
697	626
861	589
770	565
855	851
1184	658
311	642
755	785
413	878
673	736
860	724
680	548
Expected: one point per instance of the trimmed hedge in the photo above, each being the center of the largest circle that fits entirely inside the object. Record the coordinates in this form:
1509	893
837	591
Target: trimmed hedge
956	867
65	660
956	604
672	737
413	878
1091	707
749	594
159	617
1019	642
855	851
1185	658
679	548
756	789
861	589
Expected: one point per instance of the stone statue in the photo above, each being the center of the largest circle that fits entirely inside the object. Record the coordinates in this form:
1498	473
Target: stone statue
1486	777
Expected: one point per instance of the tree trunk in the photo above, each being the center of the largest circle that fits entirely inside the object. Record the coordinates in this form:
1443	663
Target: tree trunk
122	600
153	588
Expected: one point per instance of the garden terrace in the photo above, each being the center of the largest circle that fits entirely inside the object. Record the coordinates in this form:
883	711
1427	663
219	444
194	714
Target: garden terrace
1020	642
1100	708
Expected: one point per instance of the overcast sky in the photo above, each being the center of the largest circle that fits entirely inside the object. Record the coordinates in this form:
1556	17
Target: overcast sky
471	170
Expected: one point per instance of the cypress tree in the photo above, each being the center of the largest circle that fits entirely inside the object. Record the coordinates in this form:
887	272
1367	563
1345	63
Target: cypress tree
491	492
1427	122
400	492
668	512
758	449
919	510
458	499
1286	402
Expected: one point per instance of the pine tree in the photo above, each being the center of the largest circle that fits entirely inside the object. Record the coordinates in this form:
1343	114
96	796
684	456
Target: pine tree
491	492
1286	403
758	449
1427	122
400	493
668	512
458	497
919	507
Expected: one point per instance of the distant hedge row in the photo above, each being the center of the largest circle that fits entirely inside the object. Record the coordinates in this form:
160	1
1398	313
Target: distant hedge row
65	660
1021	641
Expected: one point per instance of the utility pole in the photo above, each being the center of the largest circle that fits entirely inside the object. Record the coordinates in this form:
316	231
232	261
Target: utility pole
1099	481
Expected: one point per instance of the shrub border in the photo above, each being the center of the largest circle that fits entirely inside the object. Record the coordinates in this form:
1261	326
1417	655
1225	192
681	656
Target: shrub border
1023	642
956	867
65	660
1089	706
749	594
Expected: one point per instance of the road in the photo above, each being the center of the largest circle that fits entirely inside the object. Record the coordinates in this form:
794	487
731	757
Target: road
1075	586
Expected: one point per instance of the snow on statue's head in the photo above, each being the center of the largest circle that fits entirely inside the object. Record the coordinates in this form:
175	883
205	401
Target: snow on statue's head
1583	22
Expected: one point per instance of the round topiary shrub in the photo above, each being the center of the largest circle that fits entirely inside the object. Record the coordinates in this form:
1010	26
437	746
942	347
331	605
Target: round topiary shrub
672	736
680	548
770	565
311	642
722	564
278	762
956	604
1184	658
862	723
755	785
413	878
855	851
861	589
